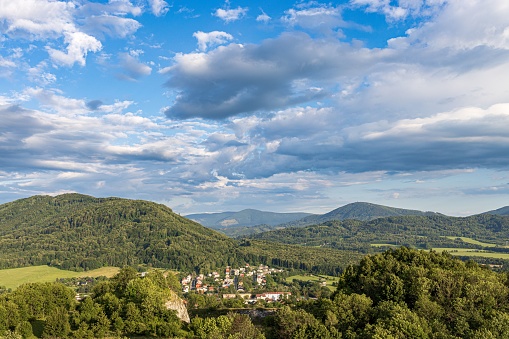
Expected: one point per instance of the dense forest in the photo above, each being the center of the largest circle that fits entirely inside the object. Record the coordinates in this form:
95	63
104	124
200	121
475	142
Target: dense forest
401	293
423	232
79	232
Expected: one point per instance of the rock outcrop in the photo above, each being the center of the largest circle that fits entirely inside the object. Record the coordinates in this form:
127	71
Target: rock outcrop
178	305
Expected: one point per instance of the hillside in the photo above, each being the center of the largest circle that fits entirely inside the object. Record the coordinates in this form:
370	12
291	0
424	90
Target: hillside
500	211
79	232
358	211
74	231
416	231
244	218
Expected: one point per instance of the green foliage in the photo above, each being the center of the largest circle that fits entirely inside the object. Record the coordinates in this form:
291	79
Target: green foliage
78	232
481	232
232	326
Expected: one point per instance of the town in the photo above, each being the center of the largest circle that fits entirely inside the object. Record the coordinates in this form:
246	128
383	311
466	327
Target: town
236	282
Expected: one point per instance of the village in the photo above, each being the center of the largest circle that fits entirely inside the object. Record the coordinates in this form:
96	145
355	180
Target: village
236	282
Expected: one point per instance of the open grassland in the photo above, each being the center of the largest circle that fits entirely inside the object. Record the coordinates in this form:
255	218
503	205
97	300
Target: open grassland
473	241
469	252
13	277
319	278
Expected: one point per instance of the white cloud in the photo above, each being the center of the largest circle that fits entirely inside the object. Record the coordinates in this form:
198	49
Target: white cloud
57	103
321	18
263	17
229	15
403	8
205	40
159	7
39	75
78	46
36	19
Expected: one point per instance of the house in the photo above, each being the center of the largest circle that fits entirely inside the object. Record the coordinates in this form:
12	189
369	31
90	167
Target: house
273	296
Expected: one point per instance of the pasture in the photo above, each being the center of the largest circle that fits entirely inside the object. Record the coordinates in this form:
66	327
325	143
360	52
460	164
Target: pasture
13	277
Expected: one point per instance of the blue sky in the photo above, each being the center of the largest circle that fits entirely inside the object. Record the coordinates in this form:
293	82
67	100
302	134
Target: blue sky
211	106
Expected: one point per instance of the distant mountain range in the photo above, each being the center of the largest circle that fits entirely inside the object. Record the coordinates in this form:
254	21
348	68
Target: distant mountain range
244	218
252	221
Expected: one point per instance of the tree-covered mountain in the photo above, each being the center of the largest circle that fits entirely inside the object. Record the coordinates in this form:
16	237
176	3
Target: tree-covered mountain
244	218
358	211
74	231
500	211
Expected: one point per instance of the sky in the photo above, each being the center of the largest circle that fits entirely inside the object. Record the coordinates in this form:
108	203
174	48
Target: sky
283	106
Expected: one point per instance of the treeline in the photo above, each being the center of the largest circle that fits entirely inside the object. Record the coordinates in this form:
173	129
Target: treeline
401	293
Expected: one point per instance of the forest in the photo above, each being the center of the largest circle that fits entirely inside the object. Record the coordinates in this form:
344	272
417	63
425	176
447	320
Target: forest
78	232
402	293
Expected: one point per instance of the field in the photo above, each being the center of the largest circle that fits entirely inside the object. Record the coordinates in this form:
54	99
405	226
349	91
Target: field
13	277
329	279
469	252
472	241
384	245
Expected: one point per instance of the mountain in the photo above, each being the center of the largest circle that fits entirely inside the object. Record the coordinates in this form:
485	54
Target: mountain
244	218
359	211
74	231
500	211
80	232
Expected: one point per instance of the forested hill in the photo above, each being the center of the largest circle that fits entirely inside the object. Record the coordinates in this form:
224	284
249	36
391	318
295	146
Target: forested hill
245	218
359	211
416	231
500	211
75	231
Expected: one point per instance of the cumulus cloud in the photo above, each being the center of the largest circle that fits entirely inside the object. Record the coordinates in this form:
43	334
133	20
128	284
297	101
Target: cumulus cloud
78	46
36	19
205	40
230	15
159	7
275	74
79	24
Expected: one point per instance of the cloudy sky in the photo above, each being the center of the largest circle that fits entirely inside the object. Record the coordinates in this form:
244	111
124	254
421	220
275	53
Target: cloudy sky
211	106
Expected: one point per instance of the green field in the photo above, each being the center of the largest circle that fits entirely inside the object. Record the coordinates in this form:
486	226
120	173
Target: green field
13	277
469	252
472	241
384	245
329	279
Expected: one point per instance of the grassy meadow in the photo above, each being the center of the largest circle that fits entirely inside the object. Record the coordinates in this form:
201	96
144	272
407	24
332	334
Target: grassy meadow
474	242
13	277
329	279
